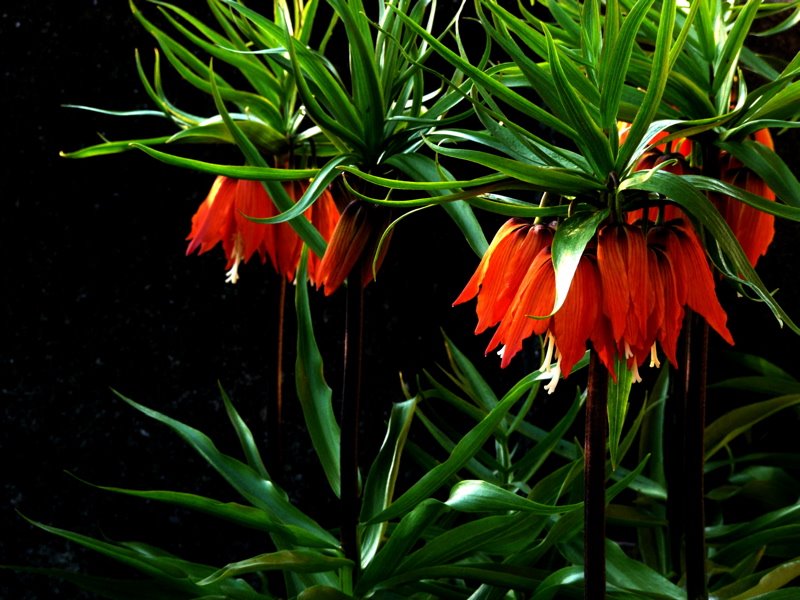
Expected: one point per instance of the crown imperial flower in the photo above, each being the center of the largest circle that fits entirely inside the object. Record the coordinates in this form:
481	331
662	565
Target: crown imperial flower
628	294
753	228
355	243
225	217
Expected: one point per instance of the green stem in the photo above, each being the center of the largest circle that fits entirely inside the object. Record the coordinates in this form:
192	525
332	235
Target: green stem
594	551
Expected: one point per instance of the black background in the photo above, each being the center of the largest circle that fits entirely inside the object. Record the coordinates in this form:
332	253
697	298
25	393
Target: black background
97	293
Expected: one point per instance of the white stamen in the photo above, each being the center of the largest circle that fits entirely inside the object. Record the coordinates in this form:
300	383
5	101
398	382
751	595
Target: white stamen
556	371
550	344
232	276
635	371
501	352
654	362
628	351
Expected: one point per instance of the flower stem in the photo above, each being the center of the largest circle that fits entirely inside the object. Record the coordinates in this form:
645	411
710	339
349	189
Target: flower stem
594	553
277	421
686	454
351	409
695	539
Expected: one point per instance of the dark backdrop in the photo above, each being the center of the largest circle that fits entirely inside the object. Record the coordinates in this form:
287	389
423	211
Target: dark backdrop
97	293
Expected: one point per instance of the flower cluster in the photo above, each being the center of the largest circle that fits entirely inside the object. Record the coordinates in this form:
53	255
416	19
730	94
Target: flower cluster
754	229
225	217
355	246
629	294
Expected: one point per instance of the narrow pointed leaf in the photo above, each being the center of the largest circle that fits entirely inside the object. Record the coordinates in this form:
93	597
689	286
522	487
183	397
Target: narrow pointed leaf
738	421
297	561
312	390
618	393
595	146
380	483
257	490
569	243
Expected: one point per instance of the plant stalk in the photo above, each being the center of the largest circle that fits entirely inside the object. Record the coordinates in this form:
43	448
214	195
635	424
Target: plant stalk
594	551
695	538
277	421
351	411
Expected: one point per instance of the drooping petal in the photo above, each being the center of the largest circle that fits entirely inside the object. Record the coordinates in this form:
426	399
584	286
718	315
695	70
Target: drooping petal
324	215
576	321
502	268
492	255
753	228
354	242
694	282
666	316
213	221
527	314
622	261
252	201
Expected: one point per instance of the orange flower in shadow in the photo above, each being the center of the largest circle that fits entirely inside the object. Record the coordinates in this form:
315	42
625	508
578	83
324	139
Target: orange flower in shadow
753	228
677	153
225	217
353	246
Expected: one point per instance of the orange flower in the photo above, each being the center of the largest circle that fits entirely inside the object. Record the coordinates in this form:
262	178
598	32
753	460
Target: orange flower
694	283
502	269
629	293
353	244
678	150
223	217
753	228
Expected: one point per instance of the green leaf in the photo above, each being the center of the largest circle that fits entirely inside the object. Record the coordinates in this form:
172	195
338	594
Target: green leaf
618	393
322	592
403	538
482	496
743	547
298	561
614	66
239	514
570	241
380	483
527	466
169	572
590	138
112	147
553	179
556	580
467	447
779	209
257	490
262	173
472	381
726	61
659	76
367	93
769	166
479	77
423	168
245	436
312	390
634	576
729	426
